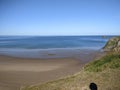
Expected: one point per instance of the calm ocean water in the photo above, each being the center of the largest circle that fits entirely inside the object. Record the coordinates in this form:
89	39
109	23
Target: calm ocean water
31	45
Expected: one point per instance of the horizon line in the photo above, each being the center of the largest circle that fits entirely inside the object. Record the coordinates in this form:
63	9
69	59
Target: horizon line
65	35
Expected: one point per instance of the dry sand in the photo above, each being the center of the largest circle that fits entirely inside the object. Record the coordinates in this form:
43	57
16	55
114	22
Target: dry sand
18	72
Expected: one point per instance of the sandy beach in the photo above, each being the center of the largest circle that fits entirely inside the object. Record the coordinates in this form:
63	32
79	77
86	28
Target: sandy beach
19	72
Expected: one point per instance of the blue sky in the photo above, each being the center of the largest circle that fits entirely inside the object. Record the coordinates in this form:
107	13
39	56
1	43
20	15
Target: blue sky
59	17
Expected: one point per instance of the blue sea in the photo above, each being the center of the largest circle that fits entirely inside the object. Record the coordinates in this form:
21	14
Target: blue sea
40	46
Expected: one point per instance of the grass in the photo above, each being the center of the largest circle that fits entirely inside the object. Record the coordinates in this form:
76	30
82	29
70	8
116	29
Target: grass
111	61
105	72
112	43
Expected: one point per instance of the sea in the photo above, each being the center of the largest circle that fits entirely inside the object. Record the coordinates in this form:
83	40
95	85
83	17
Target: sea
50	46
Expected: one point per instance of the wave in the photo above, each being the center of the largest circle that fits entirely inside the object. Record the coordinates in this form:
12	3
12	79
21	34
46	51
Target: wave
44	53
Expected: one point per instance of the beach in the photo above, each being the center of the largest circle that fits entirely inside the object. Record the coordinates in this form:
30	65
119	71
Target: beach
31	60
18	72
59	44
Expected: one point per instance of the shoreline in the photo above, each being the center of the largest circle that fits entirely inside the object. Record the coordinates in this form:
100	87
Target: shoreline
17	72
46	53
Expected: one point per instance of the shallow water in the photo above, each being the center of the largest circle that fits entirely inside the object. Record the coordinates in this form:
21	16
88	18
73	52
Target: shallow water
50	46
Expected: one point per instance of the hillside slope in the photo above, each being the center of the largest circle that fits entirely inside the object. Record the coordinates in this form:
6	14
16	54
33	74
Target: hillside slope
113	44
104	72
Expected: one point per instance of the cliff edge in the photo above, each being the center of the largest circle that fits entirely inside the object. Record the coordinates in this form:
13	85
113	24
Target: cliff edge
113	45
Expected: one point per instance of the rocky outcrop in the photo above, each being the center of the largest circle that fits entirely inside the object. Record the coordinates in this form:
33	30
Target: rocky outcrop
113	45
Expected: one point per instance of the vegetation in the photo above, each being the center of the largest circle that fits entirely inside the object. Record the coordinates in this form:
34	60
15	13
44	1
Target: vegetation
105	72
113	44
110	61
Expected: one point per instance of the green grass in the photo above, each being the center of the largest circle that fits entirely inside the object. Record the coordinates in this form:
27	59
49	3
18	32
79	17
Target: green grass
111	61
112	43
105	72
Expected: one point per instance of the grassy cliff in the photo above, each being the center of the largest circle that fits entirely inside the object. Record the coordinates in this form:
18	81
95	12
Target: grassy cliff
104	72
113	44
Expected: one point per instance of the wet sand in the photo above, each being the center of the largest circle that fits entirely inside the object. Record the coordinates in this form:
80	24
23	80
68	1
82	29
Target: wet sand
19	72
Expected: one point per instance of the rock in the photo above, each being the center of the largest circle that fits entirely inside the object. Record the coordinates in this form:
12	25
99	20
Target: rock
103	36
113	45
119	43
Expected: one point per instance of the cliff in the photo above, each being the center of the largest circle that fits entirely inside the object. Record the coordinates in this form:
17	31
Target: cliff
113	45
104	72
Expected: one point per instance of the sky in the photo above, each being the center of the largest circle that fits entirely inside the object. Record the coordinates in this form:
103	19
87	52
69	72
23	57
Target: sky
59	17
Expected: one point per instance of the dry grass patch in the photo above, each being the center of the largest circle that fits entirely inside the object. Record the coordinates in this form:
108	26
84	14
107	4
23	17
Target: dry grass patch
105	72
